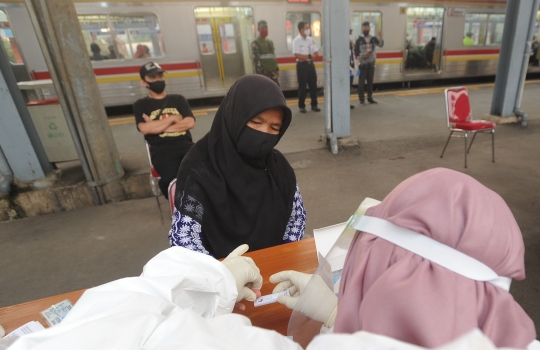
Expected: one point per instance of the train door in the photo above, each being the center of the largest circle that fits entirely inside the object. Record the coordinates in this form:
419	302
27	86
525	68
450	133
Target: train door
224	35
423	44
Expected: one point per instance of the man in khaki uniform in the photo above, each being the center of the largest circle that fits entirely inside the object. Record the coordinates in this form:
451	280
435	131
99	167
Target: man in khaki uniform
264	57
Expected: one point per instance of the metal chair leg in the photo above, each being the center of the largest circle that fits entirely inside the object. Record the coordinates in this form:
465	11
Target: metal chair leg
448	140
493	145
470	145
466	135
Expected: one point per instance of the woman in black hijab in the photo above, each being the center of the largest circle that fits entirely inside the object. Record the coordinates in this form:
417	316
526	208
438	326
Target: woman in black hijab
233	187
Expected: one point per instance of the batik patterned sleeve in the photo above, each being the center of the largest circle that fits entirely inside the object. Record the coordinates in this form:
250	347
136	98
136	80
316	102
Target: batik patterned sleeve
186	232
297	222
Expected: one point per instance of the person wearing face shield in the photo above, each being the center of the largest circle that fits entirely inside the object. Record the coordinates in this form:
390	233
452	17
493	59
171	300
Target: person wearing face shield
264	56
365	51
165	120
305	51
233	187
429	264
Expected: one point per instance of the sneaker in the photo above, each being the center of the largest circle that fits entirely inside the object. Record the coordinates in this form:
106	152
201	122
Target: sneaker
370	100
362	102
315	109
303	110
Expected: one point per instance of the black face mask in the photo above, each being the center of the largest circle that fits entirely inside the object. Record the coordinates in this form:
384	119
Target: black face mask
156	86
365	32
255	144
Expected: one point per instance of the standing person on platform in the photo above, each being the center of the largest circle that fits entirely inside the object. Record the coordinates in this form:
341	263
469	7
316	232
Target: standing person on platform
164	120
264	56
305	50
366	53
233	186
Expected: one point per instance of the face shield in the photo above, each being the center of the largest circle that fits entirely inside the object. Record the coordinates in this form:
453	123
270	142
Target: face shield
327	277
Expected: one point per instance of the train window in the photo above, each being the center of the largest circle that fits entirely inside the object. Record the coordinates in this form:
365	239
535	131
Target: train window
227	37
537	26
495	30
8	40
122	36
291	26
206	41
483	29
475	29
374	19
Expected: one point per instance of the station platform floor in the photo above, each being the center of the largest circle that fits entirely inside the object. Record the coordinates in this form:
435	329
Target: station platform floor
400	136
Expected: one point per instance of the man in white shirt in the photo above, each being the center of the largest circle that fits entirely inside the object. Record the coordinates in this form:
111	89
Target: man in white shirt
305	51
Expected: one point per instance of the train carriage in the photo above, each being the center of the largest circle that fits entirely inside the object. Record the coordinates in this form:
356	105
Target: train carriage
205	45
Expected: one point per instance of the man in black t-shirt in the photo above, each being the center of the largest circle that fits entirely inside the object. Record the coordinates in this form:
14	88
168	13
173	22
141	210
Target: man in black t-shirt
164	120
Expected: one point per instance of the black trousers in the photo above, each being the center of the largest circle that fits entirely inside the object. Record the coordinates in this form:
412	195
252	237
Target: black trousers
367	71
306	74
166	160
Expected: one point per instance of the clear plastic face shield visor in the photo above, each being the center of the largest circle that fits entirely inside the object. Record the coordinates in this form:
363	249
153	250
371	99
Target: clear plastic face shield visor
359	228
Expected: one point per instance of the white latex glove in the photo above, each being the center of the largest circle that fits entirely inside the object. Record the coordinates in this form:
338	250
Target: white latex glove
246	274
320	304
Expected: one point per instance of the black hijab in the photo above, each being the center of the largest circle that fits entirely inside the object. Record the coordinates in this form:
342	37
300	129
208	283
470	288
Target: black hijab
238	200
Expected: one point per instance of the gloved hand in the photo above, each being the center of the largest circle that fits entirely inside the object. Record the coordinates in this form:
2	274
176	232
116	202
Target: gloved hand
246	274
320	304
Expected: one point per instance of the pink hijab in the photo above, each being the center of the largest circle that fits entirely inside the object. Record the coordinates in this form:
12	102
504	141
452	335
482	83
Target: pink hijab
390	291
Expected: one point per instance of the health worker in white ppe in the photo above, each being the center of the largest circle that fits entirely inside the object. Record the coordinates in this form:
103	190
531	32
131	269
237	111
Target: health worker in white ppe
183	300
390	298
431	263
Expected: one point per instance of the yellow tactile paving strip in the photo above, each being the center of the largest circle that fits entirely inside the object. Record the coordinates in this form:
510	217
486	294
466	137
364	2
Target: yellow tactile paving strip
293	102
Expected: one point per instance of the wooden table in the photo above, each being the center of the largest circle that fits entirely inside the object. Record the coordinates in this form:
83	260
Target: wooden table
300	256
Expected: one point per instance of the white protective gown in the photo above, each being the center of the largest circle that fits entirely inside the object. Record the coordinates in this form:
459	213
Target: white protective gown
183	300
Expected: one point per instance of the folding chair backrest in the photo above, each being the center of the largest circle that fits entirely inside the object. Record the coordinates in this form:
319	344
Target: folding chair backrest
172	191
153	171
458	107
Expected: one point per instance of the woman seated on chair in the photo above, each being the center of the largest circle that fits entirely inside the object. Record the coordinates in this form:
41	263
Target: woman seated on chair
233	187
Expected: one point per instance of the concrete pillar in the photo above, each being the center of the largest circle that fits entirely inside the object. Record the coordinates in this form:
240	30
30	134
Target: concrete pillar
336	25
514	57
66	54
18	136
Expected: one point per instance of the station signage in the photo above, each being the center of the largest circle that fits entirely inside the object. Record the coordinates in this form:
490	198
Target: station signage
299	1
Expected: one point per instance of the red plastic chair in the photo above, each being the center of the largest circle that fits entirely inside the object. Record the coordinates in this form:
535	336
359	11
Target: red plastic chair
172	191
458	113
154	180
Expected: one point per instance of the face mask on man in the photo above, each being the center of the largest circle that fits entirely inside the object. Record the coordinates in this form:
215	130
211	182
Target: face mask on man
307	32
156	86
255	144
365	32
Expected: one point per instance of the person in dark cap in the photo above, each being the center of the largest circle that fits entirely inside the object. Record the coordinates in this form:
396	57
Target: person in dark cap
264	56
96	52
165	120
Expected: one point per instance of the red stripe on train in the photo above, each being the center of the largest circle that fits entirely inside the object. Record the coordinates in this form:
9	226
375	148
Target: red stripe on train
471	52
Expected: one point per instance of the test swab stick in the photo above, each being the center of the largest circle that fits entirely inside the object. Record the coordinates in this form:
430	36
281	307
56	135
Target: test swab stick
270	298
